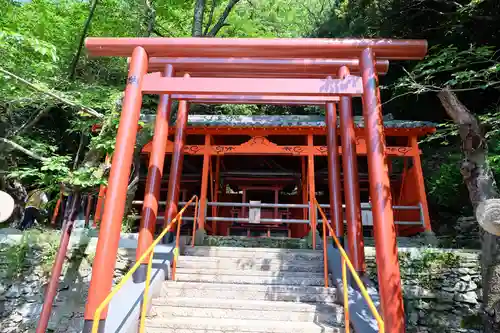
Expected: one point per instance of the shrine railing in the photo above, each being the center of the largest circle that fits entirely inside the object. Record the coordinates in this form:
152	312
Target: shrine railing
148	254
346	264
365	208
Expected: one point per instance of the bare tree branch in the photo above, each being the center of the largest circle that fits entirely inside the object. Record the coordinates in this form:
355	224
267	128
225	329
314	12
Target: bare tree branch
30	123
20	148
156	32
151	17
199	10
80	147
84	109
222	19
86	27
211	17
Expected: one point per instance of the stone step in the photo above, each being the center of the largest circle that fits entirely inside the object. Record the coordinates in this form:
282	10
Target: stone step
268	242
235	272
255	253
288	293
304	279
247	264
200	324
248	309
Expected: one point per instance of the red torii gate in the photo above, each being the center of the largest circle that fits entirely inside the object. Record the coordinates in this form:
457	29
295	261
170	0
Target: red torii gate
269	71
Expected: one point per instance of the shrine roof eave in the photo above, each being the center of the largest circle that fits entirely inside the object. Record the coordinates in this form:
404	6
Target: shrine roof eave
288	123
389	49
296	130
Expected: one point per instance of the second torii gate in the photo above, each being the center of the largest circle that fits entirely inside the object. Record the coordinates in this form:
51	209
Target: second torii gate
270	71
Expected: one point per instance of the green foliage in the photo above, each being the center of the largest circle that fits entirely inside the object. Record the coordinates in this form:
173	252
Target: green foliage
39	40
445	183
36	248
448	66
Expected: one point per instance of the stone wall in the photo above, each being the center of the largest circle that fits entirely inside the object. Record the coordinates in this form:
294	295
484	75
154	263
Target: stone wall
442	289
22	291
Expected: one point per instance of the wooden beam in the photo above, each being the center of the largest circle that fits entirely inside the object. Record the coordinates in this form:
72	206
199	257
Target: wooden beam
154	83
397	49
251	99
258	67
262	146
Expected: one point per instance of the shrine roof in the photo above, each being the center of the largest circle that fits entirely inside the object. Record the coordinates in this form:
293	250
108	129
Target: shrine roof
286	121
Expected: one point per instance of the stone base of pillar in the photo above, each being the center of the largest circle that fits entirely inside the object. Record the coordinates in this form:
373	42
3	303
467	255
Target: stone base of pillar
199	237
310	237
87	326
139	276
168	238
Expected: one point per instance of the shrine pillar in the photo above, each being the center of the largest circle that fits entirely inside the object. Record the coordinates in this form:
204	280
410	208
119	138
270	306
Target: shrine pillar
200	232
114	207
312	191
417	164
336	216
149	214
100	199
216	193
174	180
389	278
351	185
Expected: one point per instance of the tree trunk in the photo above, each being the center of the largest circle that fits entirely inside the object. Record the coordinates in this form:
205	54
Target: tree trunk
484	196
86	27
222	19
211	17
150	17
199	9
18	192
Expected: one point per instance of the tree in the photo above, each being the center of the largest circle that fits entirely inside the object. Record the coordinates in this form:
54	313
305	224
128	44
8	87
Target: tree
199	11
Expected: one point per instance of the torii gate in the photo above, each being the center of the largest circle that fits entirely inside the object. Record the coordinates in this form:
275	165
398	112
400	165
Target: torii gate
269	71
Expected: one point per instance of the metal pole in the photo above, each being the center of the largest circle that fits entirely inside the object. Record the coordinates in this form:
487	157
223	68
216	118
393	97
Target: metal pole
51	290
114	207
149	212
174	181
351	185
383	218
334	171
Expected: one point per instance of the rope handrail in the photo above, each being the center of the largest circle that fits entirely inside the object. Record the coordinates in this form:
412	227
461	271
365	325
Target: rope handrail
347	262
148	252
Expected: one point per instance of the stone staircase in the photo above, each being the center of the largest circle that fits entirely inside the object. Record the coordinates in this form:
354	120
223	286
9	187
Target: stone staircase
256	290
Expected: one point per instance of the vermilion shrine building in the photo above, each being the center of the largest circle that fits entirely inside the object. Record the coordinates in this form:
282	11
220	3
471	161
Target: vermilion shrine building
264	158
325	72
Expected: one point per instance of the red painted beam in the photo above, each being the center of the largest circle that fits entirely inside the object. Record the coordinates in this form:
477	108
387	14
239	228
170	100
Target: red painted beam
397	49
249	99
154	83
259	67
